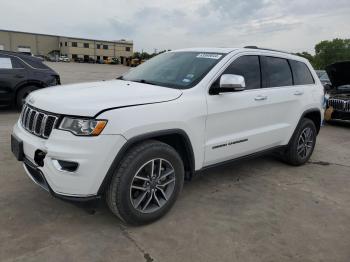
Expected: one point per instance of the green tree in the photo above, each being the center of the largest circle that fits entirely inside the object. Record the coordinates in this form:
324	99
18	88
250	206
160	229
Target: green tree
328	52
306	55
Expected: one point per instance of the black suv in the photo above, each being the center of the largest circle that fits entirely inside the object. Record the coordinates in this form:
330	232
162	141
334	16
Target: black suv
21	74
338	105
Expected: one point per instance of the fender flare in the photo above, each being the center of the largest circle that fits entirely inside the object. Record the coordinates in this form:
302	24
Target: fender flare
139	138
310	110
26	83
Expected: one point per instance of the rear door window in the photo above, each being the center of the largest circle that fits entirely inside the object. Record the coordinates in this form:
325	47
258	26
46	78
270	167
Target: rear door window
301	73
276	72
248	67
36	63
16	63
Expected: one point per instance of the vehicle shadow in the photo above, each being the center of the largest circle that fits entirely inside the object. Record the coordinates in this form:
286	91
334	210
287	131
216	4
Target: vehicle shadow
339	123
210	181
6	110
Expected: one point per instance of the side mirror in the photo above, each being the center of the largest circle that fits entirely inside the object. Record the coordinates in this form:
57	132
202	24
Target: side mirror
231	83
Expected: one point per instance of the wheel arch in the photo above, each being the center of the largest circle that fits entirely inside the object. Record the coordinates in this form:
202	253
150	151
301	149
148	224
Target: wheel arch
176	138
24	84
314	114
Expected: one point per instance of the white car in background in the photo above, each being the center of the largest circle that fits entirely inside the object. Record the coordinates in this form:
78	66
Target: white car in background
63	58
135	139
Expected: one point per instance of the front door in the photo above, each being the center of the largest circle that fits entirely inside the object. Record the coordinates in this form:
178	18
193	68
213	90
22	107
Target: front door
244	122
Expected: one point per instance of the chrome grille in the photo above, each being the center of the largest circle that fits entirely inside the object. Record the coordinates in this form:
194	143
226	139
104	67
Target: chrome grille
37	122
339	104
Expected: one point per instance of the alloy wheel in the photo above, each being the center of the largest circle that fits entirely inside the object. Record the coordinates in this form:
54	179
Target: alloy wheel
305	143
152	185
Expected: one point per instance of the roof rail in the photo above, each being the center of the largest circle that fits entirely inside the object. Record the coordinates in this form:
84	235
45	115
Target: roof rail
267	49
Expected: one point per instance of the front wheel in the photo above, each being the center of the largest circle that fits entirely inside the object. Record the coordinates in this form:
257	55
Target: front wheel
302	143
146	184
22	95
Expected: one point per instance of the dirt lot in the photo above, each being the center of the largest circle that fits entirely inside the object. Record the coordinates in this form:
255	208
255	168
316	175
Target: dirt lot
255	210
76	73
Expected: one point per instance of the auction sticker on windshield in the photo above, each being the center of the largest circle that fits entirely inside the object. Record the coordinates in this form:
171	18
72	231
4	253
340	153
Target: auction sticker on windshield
210	56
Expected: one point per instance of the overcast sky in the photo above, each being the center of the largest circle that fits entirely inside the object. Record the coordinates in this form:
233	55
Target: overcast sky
293	25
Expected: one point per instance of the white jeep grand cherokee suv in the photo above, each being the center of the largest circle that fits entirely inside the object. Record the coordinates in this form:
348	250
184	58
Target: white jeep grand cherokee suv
135	139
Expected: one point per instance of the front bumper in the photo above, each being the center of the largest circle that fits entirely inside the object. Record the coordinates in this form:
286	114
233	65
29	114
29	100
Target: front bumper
94	155
38	178
340	115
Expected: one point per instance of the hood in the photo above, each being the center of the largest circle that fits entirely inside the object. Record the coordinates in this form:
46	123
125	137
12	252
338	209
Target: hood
88	99
339	73
345	97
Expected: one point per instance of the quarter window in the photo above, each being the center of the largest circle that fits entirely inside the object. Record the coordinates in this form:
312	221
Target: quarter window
277	72
249	68
301	73
5	63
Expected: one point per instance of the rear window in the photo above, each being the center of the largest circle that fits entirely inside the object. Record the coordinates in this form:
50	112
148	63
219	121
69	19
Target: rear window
301	73
277	72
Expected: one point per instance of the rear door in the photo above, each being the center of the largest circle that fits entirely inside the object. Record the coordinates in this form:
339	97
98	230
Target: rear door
284	98
12	72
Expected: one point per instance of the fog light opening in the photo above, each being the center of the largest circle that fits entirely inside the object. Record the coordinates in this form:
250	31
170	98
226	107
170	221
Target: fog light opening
63	165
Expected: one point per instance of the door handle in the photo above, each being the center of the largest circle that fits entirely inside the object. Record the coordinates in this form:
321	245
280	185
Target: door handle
260	98
19	76
298	93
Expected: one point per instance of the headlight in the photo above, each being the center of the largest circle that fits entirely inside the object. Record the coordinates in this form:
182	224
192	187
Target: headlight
83	127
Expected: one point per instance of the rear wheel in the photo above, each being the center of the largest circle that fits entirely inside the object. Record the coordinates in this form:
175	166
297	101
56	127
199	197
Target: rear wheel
22	95
146	184
302	143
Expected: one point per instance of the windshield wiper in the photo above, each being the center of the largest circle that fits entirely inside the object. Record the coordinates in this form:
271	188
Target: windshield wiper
143	81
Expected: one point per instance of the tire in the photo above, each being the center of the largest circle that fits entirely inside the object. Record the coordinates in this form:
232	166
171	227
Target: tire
22	94
124	197
299	152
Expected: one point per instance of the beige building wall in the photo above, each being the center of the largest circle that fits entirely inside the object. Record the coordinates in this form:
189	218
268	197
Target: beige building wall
5	40
96	49
46	44
23	40
40	44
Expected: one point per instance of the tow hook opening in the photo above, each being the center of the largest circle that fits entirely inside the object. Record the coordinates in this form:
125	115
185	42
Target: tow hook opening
39	157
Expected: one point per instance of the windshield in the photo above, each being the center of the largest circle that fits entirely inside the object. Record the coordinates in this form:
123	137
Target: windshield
174	69
322	74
